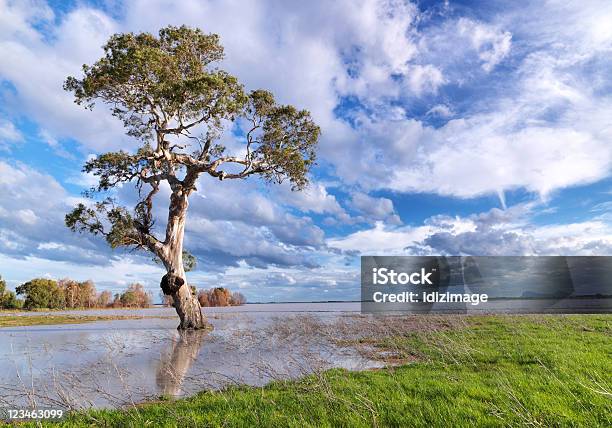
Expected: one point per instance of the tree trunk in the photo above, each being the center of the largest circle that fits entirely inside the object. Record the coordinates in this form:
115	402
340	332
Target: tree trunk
174	283
188	309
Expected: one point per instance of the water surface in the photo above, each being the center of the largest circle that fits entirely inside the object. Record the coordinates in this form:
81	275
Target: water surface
116	363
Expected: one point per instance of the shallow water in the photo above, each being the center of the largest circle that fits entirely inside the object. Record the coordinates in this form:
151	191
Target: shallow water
115	363
250	307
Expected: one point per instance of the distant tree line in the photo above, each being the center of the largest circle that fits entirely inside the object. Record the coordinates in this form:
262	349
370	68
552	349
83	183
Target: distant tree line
218	296
42	293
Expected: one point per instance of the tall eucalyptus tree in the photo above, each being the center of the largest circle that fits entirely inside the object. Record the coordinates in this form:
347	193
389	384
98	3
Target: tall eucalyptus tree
174	99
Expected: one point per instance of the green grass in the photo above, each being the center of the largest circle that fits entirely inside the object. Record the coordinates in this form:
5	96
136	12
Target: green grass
29	320
544	371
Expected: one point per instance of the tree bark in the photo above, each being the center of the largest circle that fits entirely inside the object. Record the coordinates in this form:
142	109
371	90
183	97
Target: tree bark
174	283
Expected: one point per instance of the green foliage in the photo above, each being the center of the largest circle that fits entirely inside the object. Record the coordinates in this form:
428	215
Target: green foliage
128	299
189	261
164	87
123	229
145	78
134	297
42	293
8	300
113	168
286	140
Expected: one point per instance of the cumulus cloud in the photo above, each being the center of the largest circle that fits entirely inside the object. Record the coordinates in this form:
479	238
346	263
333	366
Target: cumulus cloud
374	209
485	155
331	282
441	110
424	78
491	44
254	233
376	52
37	58
32	210
315	199
495	232
544	131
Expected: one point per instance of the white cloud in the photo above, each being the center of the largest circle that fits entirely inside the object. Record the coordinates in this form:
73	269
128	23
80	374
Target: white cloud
496	232
440	110
381	239
17	19
491	44
37	65
423	79
314	198
32	210
374	209
475	157
545	129
359	50
26	216
112	277
9	135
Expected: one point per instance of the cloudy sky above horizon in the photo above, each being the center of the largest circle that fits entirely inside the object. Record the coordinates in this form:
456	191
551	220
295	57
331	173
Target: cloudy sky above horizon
456	128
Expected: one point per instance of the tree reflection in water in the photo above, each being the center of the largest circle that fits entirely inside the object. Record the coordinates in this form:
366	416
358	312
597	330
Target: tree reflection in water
174	366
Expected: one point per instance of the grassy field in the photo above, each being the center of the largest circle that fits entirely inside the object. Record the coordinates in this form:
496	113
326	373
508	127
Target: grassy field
29	320
469	371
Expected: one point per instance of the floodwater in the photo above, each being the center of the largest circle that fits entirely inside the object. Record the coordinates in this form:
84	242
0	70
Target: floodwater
121	362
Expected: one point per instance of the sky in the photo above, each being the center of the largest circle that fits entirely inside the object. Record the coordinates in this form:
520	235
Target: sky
448	128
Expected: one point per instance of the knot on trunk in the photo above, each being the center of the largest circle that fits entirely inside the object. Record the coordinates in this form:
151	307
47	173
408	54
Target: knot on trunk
170	283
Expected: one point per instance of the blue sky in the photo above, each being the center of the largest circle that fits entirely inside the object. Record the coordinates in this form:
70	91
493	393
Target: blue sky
447	128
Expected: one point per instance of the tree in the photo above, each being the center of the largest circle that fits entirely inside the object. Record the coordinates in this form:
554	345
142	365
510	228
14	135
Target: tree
165	88
87	294
104	299
78	294
135	296
203	298
116	301
42	293
237	299
217	296
8	300
70	289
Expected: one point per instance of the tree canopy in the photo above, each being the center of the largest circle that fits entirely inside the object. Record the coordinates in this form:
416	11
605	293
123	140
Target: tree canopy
42	293
8	300
171	95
